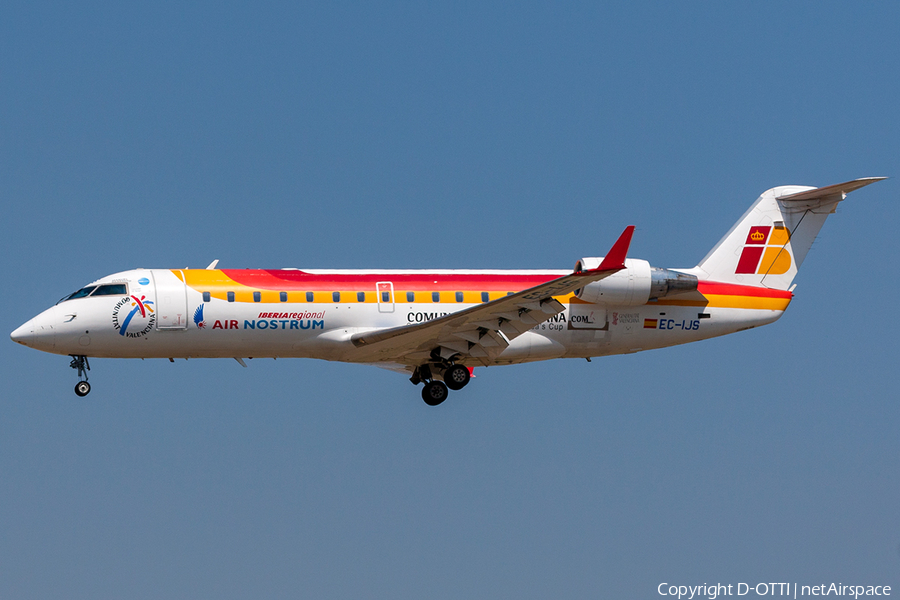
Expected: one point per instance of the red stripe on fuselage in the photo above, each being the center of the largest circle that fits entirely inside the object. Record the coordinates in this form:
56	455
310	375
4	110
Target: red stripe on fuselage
292	280
414	282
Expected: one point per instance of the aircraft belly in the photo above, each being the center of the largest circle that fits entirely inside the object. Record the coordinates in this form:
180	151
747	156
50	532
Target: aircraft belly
632	329
531	346
663	326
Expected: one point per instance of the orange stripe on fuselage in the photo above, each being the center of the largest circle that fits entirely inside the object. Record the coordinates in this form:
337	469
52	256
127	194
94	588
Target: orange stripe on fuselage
729	295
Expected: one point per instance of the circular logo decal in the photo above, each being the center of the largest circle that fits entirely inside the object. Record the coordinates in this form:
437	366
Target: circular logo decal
133	317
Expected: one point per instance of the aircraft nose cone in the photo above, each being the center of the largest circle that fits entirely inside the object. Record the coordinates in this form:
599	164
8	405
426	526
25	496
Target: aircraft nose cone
25	334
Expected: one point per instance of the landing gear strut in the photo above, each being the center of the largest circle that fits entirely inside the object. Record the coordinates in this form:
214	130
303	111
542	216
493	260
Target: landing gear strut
81	364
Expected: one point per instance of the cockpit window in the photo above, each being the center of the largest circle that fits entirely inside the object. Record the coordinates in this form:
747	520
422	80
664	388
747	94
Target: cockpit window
116	289
110	289
80	293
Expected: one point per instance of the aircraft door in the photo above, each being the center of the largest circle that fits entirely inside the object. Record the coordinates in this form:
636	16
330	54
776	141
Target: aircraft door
171	300
385	292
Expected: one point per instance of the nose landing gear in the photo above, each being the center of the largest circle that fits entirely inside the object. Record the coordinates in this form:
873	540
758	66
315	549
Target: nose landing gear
81	364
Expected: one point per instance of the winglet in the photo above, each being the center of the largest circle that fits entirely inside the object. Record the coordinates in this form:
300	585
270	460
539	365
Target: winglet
615	258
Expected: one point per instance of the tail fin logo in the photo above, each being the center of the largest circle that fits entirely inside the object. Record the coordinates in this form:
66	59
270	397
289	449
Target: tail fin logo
758	235
764	254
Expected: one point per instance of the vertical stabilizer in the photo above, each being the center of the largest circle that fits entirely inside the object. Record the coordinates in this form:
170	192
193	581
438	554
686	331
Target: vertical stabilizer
768	244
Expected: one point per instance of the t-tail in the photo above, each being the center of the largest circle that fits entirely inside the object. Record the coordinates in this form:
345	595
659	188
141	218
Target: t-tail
768	244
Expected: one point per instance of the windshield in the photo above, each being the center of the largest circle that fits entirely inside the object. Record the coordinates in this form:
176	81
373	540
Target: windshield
111	289
115	289
79	294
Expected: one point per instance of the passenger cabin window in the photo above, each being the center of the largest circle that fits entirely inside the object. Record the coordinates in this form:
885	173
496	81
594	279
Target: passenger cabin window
206	296
282	296
435	296
257	296
116	289
485	297
360	296
459	297
410	296
336	296
309	296
385	296
231	296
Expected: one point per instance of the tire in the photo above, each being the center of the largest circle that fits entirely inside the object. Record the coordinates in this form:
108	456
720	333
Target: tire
434	393
457	377
82	389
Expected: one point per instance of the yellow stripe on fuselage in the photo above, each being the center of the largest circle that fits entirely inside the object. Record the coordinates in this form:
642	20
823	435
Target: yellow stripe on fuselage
730	301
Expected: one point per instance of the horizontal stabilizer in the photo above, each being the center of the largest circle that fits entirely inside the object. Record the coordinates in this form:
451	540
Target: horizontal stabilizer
837	191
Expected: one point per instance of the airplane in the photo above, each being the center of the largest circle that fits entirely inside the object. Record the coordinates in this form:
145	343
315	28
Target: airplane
437	325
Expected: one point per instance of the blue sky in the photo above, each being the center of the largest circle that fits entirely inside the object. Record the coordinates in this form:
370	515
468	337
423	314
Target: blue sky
451	135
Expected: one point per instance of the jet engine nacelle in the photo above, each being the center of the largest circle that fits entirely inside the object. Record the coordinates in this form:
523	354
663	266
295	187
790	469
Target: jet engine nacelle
634	285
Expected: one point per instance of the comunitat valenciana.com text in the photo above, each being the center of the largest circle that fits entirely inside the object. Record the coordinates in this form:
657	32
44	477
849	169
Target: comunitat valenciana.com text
791	590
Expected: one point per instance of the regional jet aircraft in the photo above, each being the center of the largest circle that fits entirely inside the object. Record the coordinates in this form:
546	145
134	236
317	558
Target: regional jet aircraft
435	326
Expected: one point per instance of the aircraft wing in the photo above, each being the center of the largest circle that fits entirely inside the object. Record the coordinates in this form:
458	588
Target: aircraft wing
482	332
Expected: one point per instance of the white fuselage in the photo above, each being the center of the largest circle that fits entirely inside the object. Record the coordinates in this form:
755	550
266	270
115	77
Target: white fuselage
167	323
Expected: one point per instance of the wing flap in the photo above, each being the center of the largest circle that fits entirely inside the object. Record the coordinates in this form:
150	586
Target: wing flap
473	335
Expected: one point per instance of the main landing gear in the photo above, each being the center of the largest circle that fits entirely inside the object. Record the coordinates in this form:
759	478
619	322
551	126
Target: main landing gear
81	364
434	393
455	377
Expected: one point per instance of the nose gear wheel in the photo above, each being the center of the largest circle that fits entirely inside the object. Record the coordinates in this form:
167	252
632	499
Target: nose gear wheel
82	366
